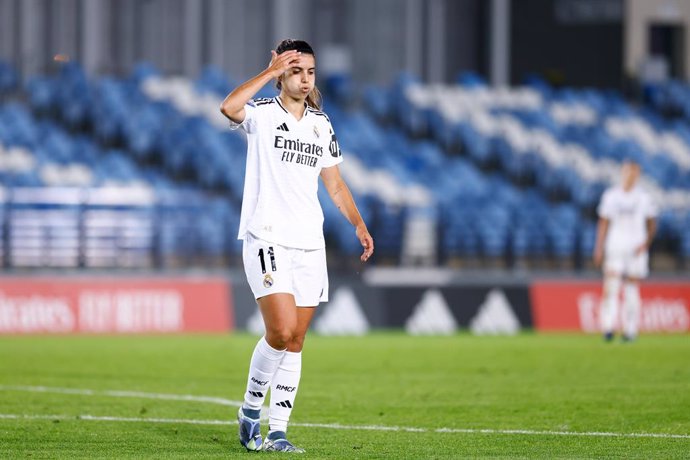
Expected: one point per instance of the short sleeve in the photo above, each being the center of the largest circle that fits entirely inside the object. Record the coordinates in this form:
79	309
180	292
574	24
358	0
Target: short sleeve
249	122
651	210
605	209
333	155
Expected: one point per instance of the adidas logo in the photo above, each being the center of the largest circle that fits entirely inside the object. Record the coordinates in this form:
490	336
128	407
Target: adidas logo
342	316
495	316
285	404
431	316
283	127
256	394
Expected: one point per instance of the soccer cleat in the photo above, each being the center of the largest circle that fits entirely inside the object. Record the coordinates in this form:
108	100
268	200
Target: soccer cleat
250	432
628	338
280	444
608	336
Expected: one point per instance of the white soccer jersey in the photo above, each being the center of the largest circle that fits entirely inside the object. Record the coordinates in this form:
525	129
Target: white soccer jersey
284	160
627	213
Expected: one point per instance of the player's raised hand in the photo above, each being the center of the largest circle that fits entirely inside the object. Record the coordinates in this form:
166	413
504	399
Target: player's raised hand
367	242
598	256
282	62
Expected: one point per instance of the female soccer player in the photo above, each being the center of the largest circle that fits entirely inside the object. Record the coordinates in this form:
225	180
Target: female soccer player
625	232
290	144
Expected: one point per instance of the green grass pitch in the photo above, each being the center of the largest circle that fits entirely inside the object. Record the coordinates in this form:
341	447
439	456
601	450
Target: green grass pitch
530	392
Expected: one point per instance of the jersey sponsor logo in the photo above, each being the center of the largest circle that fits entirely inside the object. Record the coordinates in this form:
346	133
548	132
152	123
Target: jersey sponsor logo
297	146
300	159
285	388
283	127
626	209
298	152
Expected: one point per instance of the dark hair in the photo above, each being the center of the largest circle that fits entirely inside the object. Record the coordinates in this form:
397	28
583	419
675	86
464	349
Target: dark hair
298	45
314	97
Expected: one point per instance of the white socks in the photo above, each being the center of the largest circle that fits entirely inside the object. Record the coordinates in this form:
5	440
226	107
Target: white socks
264	363
610	303
280	371
631	306
283	391
631	303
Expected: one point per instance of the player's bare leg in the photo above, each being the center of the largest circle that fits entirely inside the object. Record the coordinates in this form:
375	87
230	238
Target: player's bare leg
631	308
610	304
280	318
285	384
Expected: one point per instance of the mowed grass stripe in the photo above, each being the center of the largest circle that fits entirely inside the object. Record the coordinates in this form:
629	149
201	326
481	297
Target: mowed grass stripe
97	418
528	396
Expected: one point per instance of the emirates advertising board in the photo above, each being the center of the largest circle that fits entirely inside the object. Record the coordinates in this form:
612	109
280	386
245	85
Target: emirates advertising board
114	306
574	305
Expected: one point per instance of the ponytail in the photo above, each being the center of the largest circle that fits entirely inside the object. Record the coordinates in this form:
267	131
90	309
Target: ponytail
314	99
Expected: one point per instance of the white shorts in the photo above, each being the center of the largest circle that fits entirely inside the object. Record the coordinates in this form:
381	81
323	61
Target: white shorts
272	268
626	263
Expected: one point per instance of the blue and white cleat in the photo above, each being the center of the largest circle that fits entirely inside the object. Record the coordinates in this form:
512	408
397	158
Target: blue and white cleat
276	442
250	432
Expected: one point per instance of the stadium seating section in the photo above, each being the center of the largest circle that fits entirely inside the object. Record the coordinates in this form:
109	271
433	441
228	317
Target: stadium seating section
143	170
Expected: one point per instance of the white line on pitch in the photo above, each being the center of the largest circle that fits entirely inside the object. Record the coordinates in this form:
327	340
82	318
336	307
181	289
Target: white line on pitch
95	418
227	402
106	418
122	394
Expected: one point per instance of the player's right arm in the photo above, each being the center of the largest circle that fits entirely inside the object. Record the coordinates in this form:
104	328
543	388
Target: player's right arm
605	212
602	228
650	223
233	105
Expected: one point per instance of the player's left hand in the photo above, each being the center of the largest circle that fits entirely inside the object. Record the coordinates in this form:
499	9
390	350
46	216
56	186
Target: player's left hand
598	256
366	240
641	249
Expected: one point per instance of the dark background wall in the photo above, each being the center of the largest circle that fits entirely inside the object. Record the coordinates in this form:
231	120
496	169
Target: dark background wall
574	42
434	39
577	43
467	37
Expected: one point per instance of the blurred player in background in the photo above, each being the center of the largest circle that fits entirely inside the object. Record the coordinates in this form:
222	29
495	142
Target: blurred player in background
290	144
627	224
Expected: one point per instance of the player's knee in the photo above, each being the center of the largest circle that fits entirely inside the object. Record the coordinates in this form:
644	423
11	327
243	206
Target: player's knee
612	285
296	343
631	291
279	337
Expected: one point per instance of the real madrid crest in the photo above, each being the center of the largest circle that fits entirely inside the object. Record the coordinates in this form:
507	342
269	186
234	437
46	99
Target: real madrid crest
316	131
268	280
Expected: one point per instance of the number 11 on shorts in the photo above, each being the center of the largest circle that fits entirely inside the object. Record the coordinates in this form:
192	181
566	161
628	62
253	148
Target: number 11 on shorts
271	256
